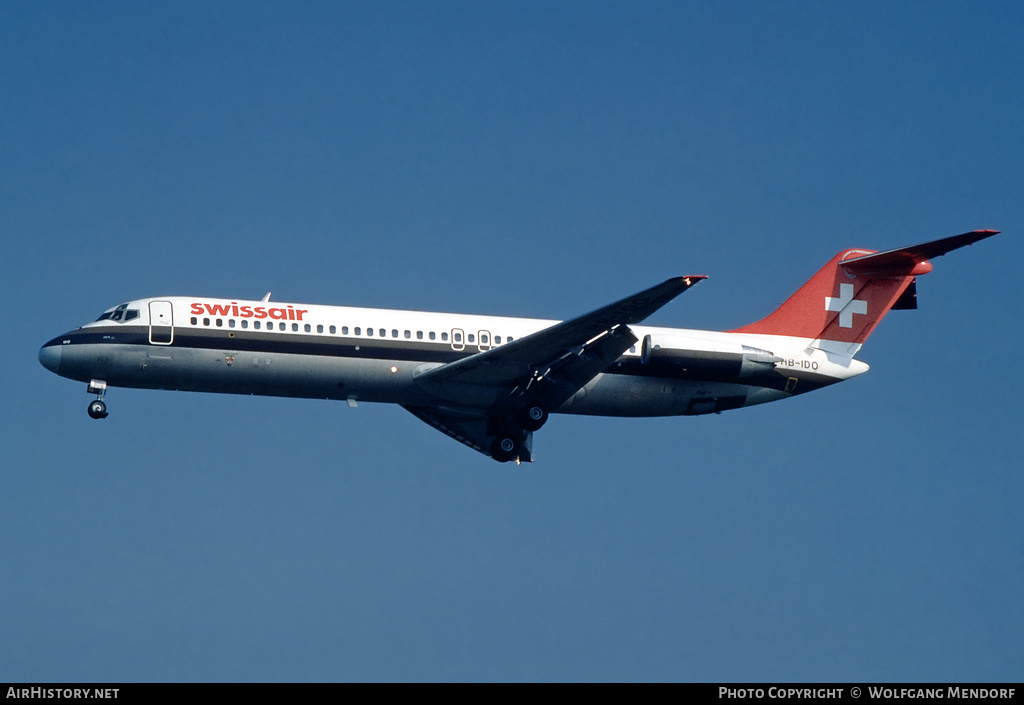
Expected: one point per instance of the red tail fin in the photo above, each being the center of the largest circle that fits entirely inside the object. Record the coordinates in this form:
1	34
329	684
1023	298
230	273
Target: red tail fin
848	297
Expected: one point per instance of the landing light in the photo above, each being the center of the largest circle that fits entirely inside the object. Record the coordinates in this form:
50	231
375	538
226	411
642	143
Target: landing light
394	369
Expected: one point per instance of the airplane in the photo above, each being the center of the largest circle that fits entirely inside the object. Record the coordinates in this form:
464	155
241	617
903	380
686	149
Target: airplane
491	382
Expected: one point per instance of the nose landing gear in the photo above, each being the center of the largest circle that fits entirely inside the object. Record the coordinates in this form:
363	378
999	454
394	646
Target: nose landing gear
97	408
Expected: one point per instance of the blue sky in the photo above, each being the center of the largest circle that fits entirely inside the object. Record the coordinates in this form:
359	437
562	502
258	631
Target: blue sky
526	159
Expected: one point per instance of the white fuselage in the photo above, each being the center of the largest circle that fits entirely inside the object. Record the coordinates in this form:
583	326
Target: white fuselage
490	382
375	355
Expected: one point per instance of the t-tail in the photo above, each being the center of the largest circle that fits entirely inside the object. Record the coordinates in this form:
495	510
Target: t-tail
839	307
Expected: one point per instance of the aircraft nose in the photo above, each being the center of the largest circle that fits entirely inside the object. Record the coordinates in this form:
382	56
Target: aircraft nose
49	357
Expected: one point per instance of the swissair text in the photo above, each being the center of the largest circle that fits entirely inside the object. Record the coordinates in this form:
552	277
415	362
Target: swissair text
233	309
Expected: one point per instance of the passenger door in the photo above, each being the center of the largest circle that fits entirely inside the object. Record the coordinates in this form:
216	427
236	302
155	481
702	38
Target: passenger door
161	323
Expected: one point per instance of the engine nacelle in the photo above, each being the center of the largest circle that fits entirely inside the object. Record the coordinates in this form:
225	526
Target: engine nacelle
704	359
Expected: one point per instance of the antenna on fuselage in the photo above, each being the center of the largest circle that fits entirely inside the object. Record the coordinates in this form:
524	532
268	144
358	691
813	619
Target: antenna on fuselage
266	297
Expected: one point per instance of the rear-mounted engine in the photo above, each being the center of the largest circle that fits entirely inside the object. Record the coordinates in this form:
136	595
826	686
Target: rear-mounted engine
704	359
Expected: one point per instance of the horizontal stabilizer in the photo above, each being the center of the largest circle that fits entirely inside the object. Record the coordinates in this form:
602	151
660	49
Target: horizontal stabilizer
905	259
848	297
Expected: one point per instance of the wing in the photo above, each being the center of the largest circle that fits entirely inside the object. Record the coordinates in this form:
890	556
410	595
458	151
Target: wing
546	368
508	363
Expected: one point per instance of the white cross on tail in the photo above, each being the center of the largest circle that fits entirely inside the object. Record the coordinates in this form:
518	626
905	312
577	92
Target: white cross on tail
846	305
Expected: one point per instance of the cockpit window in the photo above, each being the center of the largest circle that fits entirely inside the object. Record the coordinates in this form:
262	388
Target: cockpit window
120	314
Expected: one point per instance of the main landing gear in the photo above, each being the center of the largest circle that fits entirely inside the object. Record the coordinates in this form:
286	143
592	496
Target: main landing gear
97	408
507	446
533	417
511	441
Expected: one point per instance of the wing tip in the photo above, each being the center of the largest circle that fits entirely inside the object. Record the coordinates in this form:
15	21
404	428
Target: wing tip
689	279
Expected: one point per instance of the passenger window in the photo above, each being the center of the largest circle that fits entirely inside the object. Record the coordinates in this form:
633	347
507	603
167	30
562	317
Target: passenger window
245	323
471	338
497	340
231	323
195	320
320	328
384	333
284	326
419	335
220	323
444	336
358	331
458	337
408	334
369	331
433	335
309	328
206	321
394	332
256	325
509	339
335	330
483	339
